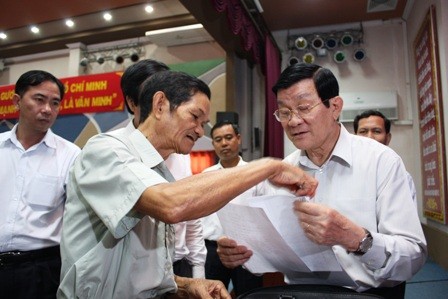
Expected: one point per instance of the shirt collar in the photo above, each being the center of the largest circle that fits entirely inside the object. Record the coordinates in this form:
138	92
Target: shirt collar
48	140
240	162
149	155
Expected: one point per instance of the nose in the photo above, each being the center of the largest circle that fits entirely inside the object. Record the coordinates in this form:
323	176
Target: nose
200	131
369	134
46	108
295	118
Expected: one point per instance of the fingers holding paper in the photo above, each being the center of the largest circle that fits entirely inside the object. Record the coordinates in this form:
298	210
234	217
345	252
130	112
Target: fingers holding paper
326	226
295	179
231	254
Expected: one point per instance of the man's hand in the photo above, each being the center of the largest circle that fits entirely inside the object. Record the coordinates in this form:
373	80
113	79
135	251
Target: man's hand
326	226
199	288
231	254
294	179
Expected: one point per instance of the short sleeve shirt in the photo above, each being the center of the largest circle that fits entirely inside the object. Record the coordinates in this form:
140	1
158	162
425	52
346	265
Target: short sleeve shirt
108	249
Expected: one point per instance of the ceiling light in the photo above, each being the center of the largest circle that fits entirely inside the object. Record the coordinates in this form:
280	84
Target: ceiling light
119	59
173	29
134	56
359	55
301	43
69	23
347	39
100	59
317	42
339	56
293	60
331	43
3	35
308	57
149	8
107	16
84	62
34	29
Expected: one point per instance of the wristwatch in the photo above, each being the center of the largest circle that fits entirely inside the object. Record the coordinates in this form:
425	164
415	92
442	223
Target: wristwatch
365	244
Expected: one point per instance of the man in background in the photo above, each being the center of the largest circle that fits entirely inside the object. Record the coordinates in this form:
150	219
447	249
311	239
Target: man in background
34	171
226	140
189	250
373	124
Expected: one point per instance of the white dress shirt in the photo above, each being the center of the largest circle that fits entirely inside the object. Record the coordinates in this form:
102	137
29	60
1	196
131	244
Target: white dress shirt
188	234
32	192
212	228
108	249
366	181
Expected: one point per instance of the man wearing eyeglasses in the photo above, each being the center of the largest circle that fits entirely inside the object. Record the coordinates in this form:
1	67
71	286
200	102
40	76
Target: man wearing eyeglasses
363	206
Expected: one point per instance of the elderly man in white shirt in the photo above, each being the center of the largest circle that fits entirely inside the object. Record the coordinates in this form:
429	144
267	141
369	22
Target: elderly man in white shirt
363	207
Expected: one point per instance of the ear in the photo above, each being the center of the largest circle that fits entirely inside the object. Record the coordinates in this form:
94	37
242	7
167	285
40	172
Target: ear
131	104
388	138
336	105
239	138
159	103
16	101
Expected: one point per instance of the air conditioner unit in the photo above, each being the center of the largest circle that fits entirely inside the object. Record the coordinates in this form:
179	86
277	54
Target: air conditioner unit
357	102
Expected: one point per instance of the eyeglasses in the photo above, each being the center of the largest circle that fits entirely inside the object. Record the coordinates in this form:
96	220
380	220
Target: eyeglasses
285	114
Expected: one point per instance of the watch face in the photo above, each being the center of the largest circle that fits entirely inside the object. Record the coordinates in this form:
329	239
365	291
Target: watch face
366	243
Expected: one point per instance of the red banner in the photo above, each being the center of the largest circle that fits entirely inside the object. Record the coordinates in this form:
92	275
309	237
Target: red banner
83	94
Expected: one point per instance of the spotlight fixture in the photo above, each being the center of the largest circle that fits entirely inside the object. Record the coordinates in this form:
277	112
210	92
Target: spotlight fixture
359	55
339	56
3	35
149	8
100	59
134	56
322	52
107	16
317	42
331	43
69	23
293	60
308	57
119	59
301	43
347	39
84	62
34	29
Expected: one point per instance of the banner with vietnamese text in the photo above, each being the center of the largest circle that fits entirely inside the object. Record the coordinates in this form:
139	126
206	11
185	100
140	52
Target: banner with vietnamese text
83	94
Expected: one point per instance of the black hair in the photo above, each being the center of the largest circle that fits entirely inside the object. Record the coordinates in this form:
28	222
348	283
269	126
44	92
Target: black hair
178	88
34	78
369	113
324	80
134	76
223	123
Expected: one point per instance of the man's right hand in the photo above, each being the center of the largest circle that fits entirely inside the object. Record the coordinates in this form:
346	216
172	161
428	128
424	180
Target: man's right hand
231	254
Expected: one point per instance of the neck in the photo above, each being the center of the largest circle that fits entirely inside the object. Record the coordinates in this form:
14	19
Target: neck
26	138
230	163
322	153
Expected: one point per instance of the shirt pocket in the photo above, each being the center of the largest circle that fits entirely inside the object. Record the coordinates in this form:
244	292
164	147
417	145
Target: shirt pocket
45	190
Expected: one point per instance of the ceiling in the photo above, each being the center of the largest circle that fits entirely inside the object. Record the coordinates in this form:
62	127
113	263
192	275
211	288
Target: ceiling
131	21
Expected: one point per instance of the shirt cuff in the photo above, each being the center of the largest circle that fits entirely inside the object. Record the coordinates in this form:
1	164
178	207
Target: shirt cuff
198	271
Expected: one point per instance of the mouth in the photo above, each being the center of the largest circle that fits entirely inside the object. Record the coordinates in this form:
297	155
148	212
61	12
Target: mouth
192	137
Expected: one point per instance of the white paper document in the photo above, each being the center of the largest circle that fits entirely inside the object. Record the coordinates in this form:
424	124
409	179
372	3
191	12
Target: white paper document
268	226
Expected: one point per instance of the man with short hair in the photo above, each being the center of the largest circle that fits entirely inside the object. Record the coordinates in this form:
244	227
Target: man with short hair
363	208
373	124
117	238
34	171
226	141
